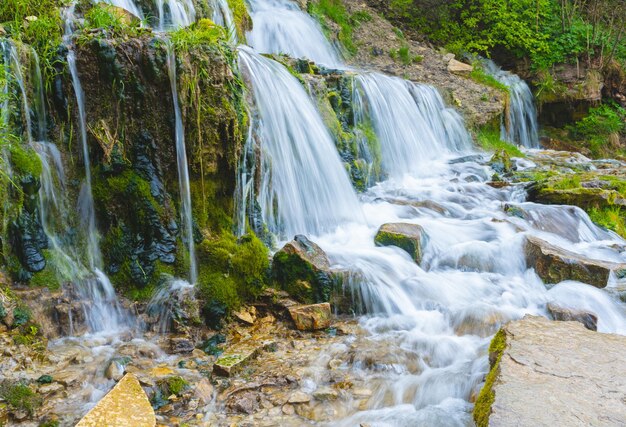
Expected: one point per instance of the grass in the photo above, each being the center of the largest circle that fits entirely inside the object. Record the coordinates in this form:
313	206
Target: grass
489	140
612	218
20	396
203	32
104	16
335	11
480	76
404	55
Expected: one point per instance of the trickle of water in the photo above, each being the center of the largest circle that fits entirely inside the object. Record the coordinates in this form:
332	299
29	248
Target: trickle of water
174	14
222	15
304	187
411	122
128	5
520	124
281	27
183	171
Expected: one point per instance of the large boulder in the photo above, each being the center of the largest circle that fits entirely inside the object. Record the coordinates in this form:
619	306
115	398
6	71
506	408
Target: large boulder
546	373
303	270
311	317
410	237
554	264
125	405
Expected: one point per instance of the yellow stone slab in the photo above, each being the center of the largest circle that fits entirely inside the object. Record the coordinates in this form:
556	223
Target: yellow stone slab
124	406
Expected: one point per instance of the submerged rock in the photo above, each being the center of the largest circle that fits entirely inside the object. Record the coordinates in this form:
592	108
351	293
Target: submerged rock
311	317
410	237
554	264
553	373
589	320
125	405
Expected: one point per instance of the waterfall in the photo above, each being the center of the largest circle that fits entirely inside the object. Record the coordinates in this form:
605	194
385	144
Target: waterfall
281	27
222	15
174	14
520	124
128	5
304	187
183	171
410	120
105	313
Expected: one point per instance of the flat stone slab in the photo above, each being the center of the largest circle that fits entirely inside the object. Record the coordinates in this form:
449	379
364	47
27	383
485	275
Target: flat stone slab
555	374
125	405
235	358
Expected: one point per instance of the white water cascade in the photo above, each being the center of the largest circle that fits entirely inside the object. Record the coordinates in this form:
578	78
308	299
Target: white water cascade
281	27
222	15
304	187
183	171
520	124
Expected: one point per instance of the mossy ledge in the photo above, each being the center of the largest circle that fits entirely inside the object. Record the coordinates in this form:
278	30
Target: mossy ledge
486	397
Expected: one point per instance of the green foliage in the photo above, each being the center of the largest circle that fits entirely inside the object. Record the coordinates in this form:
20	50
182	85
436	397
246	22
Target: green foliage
25	161
111	19
489	140
404	55
43	33
612	218
479	75
21	316
601	129
243	22
174	385
203	32
20	396
335	11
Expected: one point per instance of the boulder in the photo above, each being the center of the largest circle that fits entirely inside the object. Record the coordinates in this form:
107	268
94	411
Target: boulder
311	317
235	358
546	373
554	264
125	405
589	320
458	67
303	270
410	237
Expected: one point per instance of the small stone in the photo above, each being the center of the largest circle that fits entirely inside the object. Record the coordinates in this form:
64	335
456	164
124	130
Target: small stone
459	67
50	388
288	409
181	345
204	391
409	237
361	392
325	394
234	359
246	315
161	371
115	371
299	397
311	317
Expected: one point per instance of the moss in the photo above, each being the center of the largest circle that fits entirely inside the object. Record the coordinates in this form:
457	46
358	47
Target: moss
301	279
386	238
243	22
20	396
173	385
25	161
612	218
486	397
47	278
489	139
229	360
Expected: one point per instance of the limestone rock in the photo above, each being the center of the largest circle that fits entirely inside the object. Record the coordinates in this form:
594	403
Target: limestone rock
458	67
299	397
554	264
233	359
589	320
246	315
548	373
204	391
125	405
115	371
311	317
410	237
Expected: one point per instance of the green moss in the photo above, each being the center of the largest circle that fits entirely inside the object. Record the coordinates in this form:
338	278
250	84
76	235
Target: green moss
479	75
301	279
20	396
25	161
413	248
612	218
176	385
335	11
243	22
229	360
486	397
202	33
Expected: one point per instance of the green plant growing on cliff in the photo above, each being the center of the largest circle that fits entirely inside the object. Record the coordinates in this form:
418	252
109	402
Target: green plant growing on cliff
104	16
479	75
601	128
486	397
203	32
335	11
20	396
489	139
613	218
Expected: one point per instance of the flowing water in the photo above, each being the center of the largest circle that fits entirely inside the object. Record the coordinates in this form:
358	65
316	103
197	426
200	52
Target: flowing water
520	124
304	187
281	27
223	16
430	323
183	171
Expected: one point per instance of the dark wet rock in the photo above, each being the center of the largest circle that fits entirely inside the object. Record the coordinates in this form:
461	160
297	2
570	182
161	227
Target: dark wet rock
588	319
554	264
501	162
546	373
311	317
409	237
245	403
181	345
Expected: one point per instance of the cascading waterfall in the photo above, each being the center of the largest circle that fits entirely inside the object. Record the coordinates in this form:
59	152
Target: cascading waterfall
222	15
520	124
281	27
183	171
175	14
304	187
411	122
105	313
128	5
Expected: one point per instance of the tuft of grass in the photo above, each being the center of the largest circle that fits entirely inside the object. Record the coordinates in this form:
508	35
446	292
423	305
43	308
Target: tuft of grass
335	11
20	396
489	140
480	76
612	218
203	32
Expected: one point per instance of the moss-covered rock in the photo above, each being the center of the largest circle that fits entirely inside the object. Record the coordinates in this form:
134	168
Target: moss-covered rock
486	397
409	237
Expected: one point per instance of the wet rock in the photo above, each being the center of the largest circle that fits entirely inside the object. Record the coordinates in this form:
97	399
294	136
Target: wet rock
409	237
246	403
50	389
501	162
126	404
589	320
302	269
288	409
299	397
311	317
246	315
235	358
548	373
325	394
204	391
181	345
70	317
554	264
458	67
115	371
